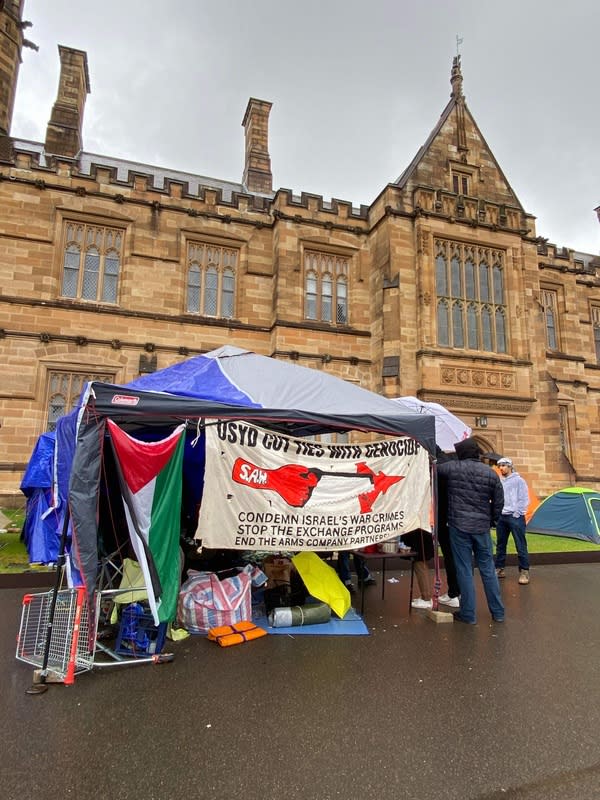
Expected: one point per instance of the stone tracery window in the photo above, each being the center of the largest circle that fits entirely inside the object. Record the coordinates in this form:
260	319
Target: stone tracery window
92	259
211	279
326	287
549	300
596	329
471	303
64	389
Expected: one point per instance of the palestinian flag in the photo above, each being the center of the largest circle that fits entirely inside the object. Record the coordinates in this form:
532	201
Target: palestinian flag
150	477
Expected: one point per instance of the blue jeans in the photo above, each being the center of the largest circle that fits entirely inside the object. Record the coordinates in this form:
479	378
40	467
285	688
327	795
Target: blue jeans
515	525
464	546
344	567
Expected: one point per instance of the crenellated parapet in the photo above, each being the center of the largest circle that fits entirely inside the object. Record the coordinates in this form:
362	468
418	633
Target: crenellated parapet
477	212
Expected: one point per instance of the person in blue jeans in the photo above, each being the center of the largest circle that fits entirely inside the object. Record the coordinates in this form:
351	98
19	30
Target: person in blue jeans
512	520
475	500
362	571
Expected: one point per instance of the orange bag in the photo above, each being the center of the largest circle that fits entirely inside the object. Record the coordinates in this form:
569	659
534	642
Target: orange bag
240	632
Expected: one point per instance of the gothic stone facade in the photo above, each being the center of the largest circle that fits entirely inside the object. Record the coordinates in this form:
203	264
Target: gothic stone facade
439	288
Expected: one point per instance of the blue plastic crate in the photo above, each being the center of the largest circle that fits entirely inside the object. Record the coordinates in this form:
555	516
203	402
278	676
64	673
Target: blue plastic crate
138	635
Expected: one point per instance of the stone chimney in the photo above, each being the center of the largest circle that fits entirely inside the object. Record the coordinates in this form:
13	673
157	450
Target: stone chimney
63	134
257	170
11	42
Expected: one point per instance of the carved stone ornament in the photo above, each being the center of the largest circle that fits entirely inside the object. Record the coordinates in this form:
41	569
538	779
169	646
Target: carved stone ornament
488	378
424	243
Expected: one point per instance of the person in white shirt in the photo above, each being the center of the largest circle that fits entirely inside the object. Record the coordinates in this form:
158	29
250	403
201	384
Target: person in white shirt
512	520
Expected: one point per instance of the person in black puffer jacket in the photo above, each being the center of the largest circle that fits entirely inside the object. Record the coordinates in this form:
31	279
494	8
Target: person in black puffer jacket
475	499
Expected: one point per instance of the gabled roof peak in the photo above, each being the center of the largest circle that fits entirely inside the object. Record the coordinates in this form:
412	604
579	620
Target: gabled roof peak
456	79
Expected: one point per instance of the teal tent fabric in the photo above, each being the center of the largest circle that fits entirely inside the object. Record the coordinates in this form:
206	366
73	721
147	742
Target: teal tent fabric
573	513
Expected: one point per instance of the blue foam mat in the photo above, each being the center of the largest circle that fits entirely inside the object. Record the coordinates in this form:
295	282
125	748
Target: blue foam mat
351	625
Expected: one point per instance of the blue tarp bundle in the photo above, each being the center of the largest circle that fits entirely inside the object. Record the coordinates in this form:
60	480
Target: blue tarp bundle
40	532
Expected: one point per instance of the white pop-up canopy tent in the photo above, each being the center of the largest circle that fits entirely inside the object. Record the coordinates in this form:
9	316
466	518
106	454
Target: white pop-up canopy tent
449	429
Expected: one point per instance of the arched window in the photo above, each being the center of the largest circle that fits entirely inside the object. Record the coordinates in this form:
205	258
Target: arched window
111	277
63	390
498	285
91	272
549	298
476	318
310	296
326	287
470	280
227	294
458	330
500	331
71	271
484	282
456	277
443	323
342	301
596	329
486	328
193	288
211	288
441	277
472	332
326	298
211	280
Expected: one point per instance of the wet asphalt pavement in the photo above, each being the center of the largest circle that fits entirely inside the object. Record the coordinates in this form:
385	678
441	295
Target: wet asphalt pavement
415	711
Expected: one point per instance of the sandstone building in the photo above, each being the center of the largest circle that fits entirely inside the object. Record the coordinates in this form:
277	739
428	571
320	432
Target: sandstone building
440	287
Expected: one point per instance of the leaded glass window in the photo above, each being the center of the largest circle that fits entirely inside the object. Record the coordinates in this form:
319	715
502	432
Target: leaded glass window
471	309
342	301
326	278
211	280
92	259
550	305
64	390
596	329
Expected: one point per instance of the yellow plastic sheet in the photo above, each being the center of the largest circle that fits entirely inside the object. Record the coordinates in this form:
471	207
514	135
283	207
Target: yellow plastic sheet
132	578
322	582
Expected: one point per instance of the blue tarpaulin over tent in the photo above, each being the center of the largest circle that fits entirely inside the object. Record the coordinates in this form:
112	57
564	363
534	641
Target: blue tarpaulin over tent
40	532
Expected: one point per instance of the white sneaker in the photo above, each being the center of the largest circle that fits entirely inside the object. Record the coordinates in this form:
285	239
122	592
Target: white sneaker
420	603
446	600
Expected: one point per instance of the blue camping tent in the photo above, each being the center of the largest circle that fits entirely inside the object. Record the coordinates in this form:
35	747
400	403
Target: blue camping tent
573	512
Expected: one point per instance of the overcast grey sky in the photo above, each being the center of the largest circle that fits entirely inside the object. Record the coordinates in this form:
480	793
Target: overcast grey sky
356	88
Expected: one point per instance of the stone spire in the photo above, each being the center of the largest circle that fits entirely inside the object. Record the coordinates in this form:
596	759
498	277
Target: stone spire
456	80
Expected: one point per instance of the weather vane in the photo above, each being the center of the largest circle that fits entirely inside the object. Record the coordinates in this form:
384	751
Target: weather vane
459	41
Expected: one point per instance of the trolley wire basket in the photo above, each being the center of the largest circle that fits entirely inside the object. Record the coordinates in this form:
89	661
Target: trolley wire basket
69	649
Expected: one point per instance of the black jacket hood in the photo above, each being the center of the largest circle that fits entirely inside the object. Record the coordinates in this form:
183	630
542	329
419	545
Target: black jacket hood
468	448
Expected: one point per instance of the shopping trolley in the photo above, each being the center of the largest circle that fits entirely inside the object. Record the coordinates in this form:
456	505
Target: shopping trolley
64	617
64	629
